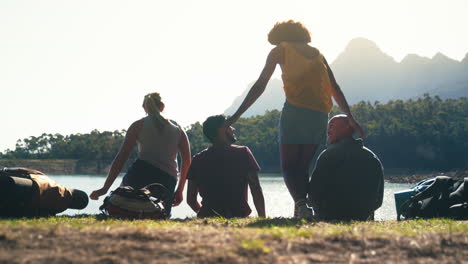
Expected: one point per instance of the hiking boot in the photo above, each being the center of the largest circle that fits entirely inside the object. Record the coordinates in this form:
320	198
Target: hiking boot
304	212
301	211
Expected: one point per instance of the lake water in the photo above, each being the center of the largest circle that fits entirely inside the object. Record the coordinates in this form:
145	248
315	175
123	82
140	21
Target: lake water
278	202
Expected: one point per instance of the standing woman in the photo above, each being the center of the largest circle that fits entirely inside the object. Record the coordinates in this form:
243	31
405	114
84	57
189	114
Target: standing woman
159	140
309	85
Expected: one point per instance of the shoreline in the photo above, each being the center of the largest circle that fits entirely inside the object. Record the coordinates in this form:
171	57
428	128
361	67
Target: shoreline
415	178
99	168
60	166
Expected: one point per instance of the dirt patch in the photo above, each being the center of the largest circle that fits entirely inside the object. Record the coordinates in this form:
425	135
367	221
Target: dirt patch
211	244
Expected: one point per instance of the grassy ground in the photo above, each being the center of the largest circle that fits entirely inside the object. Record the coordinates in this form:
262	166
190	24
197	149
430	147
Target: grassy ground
96	239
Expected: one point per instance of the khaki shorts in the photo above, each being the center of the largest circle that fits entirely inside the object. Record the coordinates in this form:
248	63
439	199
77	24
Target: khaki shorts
299	125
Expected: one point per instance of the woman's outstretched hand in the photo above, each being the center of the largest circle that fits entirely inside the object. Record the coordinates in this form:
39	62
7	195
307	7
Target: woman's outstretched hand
357	128
95	194
229	121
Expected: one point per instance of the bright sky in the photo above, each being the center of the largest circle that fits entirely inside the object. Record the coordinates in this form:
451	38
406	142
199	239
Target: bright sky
73	66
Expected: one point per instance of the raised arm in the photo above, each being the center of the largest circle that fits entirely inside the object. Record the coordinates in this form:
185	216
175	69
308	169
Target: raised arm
184	150
122	156
257	193
342	103
259	86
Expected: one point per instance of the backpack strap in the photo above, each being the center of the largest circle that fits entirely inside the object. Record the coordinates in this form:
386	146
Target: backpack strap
440	185
158	191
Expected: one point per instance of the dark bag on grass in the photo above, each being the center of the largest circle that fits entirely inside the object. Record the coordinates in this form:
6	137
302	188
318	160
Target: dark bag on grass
144	203
445	197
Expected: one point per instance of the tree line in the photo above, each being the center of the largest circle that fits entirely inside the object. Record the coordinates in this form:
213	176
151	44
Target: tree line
427	133
101	146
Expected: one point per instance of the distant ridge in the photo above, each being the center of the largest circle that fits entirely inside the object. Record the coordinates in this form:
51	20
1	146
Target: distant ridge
366	73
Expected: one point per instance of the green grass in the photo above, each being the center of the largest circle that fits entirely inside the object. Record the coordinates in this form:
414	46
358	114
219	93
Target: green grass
279	227
256	246
98	239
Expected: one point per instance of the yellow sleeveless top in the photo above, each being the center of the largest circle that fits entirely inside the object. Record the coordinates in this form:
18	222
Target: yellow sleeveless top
306	81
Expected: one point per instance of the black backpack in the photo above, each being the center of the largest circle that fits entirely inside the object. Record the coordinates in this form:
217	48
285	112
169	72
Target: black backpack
145	203
445	197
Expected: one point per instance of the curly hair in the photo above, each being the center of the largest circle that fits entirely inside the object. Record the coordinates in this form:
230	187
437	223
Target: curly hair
290	31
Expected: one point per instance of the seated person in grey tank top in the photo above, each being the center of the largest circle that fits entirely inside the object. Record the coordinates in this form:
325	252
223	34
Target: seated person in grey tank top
159	140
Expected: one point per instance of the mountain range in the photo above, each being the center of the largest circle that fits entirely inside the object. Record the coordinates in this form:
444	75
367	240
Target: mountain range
365	73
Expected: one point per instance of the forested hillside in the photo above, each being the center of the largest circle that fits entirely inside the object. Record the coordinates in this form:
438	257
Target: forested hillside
423	134
96	145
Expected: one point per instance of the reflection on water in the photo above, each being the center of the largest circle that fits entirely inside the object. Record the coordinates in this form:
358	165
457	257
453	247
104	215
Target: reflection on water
277	200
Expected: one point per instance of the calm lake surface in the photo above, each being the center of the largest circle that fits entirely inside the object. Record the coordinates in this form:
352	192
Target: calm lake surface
277	200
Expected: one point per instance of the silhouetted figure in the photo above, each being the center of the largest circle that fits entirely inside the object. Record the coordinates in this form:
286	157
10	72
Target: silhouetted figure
347	183
159	140
222	174
309	85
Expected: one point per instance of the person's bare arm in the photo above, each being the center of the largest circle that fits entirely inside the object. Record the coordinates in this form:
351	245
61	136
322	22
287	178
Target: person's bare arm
184	150
342	103
257	193
122	156
192	192
259	86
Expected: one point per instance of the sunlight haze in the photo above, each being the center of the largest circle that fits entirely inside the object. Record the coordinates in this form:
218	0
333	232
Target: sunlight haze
74	66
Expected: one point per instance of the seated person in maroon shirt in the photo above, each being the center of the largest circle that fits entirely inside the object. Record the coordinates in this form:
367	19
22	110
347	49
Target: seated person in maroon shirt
221	174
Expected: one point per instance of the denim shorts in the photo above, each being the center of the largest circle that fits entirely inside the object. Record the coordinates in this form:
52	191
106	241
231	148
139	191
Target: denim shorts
299	125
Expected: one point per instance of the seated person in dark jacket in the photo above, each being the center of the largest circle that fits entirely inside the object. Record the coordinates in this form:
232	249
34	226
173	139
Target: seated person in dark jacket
222	174
347	183
30	193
